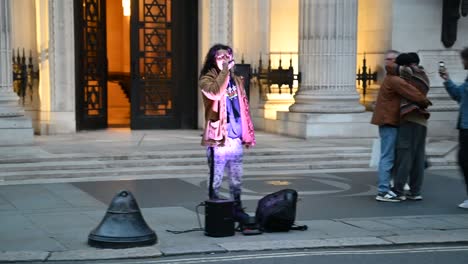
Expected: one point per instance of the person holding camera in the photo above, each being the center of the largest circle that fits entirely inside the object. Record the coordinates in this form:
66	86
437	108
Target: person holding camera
459	94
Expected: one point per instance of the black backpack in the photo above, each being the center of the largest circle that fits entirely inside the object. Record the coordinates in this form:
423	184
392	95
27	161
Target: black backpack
276	212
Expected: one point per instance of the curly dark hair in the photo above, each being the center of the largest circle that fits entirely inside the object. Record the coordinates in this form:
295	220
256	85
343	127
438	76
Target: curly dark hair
210	59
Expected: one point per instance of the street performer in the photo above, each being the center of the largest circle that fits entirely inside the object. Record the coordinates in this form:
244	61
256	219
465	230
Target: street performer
228	125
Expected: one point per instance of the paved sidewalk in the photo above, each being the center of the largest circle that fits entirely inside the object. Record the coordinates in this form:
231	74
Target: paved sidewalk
51	221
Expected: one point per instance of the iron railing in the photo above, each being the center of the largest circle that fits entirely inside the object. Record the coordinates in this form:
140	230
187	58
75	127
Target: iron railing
24	74
279	76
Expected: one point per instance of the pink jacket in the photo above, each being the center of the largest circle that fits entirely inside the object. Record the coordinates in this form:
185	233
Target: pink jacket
213	87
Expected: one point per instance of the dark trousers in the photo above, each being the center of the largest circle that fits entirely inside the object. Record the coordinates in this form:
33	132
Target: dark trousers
463	155
410	158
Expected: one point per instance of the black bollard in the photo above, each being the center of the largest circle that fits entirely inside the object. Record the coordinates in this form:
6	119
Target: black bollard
123	225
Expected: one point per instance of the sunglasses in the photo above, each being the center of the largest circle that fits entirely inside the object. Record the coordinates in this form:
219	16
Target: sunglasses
224	56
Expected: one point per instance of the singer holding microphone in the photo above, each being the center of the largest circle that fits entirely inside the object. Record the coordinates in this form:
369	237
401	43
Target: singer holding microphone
228	125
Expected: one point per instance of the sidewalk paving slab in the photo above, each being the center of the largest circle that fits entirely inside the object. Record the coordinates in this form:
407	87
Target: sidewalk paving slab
23	256
304	244
430	236
102	254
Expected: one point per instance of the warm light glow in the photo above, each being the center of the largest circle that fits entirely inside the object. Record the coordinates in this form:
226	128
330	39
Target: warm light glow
276	102
284	32
279	183
126	7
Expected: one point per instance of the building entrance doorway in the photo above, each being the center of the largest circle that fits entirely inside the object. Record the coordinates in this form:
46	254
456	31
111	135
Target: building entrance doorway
118	56
136	63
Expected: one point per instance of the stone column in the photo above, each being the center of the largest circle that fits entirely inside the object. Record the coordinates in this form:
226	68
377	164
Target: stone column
327	103
221	22
62	67
327	57
14	127
56	66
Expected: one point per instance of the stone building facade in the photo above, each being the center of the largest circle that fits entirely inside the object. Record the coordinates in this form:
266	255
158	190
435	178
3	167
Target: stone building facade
156	51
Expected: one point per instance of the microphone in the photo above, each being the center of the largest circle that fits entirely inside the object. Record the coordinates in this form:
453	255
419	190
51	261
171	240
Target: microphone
232	67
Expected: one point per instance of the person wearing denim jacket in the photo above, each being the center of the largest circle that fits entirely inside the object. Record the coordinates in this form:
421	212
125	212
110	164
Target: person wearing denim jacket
459	93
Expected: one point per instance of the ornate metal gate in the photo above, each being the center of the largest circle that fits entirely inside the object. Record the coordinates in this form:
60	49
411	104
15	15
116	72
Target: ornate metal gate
163	36
163	84
91	64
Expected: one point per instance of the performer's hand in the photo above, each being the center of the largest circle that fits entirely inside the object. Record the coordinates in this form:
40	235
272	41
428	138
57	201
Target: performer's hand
231	64
225	65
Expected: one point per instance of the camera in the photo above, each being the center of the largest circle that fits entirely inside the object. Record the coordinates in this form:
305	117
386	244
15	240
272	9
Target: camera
441	66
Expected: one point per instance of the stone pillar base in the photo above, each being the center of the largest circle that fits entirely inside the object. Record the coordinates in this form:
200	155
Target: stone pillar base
348	125
326	125
16	131
54	123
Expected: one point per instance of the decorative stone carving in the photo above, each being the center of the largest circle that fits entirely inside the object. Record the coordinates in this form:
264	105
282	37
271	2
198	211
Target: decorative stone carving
221	22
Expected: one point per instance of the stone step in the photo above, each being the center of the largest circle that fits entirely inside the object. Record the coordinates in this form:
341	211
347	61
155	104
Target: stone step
189	170
190	161
278	173
185	161
440	162
176	154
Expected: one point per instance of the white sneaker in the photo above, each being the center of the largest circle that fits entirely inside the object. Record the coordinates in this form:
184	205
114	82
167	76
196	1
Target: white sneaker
414	197
387	197
406	187
464	205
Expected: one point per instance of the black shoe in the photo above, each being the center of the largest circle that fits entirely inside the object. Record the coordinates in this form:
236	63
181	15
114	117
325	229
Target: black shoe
240	215
249	227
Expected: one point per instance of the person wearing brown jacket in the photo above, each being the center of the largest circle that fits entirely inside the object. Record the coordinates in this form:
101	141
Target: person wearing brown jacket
387	117
228	125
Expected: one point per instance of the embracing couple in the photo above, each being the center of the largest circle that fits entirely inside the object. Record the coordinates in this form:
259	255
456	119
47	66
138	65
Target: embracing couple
401	114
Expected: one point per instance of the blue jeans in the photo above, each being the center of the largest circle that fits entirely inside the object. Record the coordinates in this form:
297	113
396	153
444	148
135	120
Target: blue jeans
388	137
